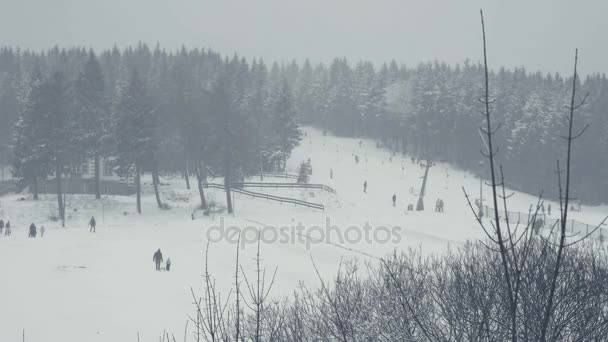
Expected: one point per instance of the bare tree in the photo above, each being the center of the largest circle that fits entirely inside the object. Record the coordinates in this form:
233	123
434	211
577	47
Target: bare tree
258	294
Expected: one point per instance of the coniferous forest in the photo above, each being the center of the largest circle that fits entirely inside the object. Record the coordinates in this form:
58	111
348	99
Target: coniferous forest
152	110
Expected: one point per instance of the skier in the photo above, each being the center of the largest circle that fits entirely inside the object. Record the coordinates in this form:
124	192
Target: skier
1	226
32	231
158	258
93	224
394	199
7	228
168	264
365	187
42	231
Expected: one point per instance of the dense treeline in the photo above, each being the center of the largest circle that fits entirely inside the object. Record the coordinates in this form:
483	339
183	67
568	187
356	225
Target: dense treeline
143	110
430	111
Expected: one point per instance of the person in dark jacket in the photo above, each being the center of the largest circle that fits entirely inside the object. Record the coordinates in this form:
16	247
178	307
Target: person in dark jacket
32	230
7	228
1	226
158	258
168	264
365	187
93	224
394	199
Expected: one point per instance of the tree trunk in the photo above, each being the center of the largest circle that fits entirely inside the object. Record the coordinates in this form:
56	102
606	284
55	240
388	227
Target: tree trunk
156	181
420	204
138	187
227	184
97	177
199	178
60	204
186	175
35	187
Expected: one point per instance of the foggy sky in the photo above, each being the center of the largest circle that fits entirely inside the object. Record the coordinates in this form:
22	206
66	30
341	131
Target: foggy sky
537	34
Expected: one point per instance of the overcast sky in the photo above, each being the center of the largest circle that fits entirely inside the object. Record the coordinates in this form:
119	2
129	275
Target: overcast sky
537	34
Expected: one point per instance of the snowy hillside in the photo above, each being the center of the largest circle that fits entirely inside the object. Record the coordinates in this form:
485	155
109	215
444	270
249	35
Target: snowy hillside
73	286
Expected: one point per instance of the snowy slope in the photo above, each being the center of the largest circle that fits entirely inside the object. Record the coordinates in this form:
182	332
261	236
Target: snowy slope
74	286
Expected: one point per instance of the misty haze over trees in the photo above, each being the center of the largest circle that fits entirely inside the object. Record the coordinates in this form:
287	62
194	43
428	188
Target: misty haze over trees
149	111
171	106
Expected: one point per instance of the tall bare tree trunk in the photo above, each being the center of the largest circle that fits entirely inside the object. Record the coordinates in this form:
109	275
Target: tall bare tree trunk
564	203
186	175
227	175
489	131
60	204
420	204
35	187
138	187
97	177
200	175
156	182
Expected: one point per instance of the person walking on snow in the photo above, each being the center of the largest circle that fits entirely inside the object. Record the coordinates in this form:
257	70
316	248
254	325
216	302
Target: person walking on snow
394	199
158	258
42	231
7	228
93	224
32	231
168	264
1	226
365	187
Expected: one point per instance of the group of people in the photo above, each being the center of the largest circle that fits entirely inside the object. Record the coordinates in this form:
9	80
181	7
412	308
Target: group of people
158	259
34	231
5	227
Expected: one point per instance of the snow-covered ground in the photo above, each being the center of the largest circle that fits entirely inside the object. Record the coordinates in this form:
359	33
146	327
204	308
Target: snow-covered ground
73	285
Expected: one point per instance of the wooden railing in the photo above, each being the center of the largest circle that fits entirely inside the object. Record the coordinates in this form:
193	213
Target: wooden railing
280	199
285	185
278	175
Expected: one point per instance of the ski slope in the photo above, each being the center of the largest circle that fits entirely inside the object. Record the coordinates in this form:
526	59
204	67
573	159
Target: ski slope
73	286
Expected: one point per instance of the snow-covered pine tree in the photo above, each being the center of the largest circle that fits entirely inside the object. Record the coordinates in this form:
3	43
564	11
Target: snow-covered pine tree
287	134
303	91
31	163
136	131
91	115
60	144
304	172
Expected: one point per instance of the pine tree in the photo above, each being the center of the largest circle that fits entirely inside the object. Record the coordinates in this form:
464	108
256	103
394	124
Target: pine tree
136	132
60	144
31	161
304	172
286	132
91	115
